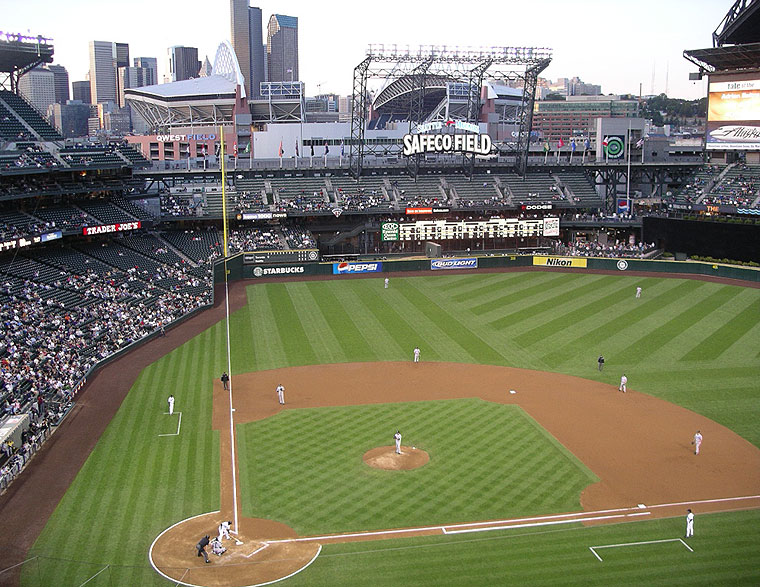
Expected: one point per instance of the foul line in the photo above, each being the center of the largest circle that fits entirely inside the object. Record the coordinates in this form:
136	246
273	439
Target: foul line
179	423
593	548
259	549
508	524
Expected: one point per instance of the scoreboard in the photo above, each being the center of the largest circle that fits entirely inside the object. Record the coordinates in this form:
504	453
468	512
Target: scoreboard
288	256
469	229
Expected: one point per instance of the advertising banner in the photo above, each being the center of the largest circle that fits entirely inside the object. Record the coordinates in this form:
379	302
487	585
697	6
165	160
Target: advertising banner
277	271
733	113
468	263
106	228
560	261
346	268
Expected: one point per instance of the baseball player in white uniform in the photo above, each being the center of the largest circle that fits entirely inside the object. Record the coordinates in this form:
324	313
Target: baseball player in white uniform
416	354
697	442
280	393
224	530
171	404
397	438
623	383
689	524
387	281
638	292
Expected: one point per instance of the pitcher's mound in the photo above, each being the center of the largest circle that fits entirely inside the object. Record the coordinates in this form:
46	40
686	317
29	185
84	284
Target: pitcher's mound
385	457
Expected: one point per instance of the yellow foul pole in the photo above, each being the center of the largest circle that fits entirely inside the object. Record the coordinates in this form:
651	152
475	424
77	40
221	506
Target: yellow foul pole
224	188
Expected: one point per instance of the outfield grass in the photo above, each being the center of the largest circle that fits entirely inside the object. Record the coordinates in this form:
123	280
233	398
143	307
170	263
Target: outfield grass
690	342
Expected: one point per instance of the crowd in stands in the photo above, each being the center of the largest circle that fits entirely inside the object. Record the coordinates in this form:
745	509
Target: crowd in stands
360	200
741	187
253	239
299	238
174	205
596	249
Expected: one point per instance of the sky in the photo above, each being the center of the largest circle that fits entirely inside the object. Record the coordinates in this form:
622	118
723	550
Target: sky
623	45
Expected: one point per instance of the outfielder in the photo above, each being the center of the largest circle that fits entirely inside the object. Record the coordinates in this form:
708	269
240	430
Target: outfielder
689	524
280	393
397	438
416	354
638	292
386	282
171	404
224	530
623	383
697	442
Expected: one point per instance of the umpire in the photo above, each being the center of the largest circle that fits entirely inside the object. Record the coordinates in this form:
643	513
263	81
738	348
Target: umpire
201	547
225	379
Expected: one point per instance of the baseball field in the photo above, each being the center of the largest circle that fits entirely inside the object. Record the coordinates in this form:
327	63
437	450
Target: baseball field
564	443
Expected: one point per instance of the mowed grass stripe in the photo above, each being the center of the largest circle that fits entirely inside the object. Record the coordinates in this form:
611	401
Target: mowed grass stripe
539	283
563	306
400	332
499	283
470	342
321	337
612	326
719	341
263	330
348	335
654	340
289	325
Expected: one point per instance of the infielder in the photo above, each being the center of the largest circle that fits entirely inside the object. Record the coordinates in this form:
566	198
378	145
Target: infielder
416	354
386	282
397	438
224	530
697	442
171	404
600	362
280	393
689	524
638	292
623	383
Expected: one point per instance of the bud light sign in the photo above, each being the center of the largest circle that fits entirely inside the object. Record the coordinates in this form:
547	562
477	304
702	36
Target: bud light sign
454	264
348	267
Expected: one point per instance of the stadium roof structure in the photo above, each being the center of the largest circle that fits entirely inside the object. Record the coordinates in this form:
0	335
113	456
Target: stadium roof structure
20	53
201	101
741	25
729	58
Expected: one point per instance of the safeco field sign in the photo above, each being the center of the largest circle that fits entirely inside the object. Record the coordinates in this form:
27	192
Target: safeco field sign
560	261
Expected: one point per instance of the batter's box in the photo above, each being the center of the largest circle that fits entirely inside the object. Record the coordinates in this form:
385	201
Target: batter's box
179	423
594	549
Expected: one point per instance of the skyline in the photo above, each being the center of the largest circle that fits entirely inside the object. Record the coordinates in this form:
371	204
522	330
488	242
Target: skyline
617	44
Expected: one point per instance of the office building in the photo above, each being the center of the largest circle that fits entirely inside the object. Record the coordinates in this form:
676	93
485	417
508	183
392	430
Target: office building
81	91
105	58
247	41
282	48
70	119
61	81
150	65
576	116
133	77
38	87
183	63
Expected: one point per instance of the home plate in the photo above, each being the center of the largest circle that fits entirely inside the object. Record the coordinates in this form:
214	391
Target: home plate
512	391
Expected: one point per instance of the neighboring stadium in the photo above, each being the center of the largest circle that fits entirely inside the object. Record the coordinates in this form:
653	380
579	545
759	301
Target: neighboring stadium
123	282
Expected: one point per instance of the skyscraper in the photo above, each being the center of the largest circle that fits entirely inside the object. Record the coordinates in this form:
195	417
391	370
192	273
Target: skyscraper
282	48
246	33
38	87
81	91
61	80
150	65
183	63
105	58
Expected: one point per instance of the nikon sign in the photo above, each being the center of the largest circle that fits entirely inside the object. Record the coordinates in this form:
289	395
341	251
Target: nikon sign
447	143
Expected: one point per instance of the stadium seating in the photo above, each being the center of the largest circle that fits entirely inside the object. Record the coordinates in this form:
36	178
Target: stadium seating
480	191
739	186
368	195
30	116
695	188
66	218
581	190
104	211
198	245
426	191
534	187
305	194
91	156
